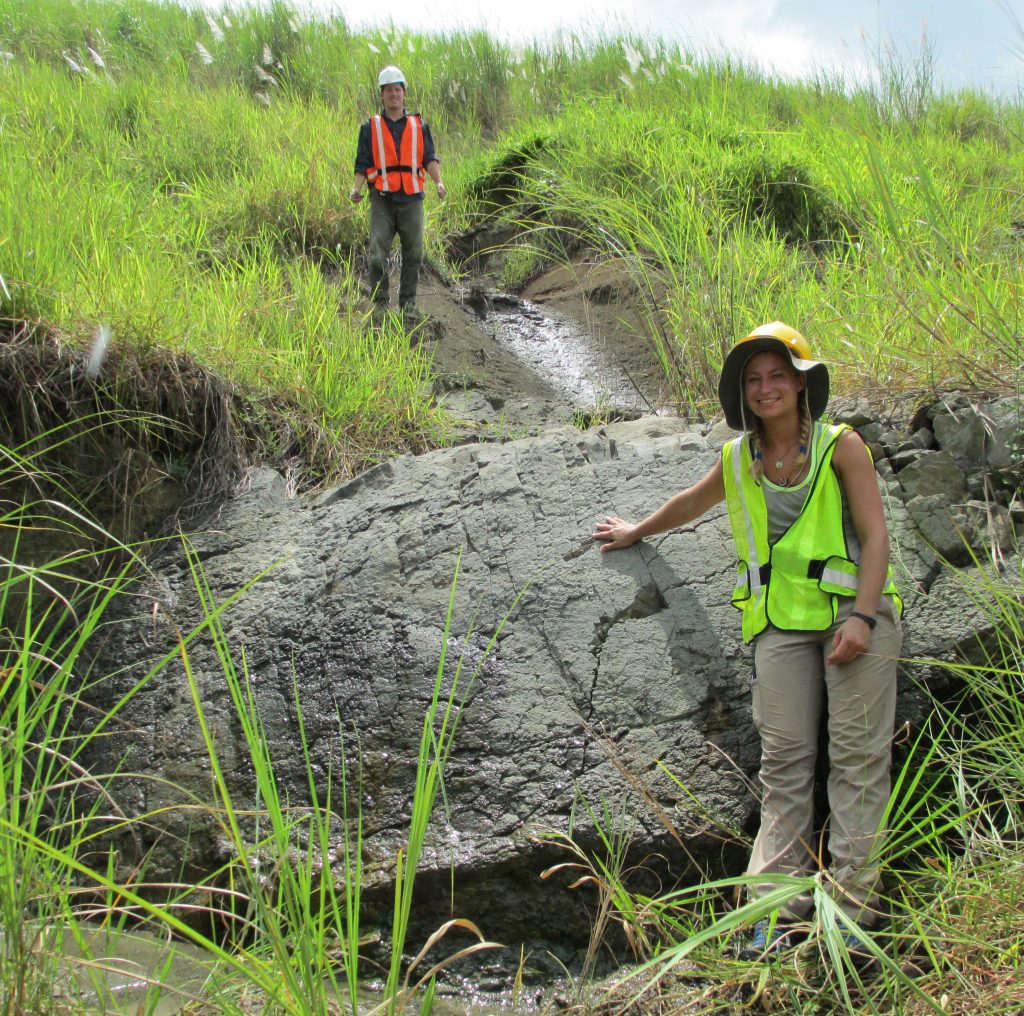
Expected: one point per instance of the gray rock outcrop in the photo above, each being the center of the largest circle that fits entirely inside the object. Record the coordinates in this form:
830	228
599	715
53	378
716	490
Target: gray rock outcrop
611	668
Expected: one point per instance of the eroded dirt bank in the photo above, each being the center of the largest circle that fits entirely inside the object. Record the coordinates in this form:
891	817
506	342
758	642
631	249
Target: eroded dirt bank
570	346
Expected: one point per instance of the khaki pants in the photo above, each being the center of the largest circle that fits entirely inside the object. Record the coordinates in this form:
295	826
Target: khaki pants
789	693
387	218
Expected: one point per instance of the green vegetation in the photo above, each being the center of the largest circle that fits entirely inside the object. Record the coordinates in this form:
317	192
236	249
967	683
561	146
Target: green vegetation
180	178
177	180
889	240
282	915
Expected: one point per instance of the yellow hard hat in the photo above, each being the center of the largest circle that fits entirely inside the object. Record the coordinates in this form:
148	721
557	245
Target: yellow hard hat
798	346
778	337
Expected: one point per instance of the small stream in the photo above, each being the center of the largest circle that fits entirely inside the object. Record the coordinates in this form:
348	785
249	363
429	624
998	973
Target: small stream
130	972
565	354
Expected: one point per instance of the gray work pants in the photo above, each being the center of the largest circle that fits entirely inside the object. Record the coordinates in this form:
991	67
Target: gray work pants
790	684
387	218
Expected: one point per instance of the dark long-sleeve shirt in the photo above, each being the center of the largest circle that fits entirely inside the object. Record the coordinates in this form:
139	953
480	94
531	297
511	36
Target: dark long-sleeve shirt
364	151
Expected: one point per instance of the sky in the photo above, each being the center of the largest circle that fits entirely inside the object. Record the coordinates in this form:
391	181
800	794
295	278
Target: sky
976	43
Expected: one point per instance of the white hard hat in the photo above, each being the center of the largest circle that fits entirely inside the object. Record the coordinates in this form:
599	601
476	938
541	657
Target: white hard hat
391	75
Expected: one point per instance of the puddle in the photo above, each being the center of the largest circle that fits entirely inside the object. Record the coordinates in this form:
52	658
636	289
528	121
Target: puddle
131	972
565	354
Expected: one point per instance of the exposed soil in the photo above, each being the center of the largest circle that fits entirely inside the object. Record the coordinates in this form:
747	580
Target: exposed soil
568	348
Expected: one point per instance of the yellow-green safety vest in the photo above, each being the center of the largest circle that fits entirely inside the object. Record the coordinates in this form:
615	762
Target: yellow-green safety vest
795	583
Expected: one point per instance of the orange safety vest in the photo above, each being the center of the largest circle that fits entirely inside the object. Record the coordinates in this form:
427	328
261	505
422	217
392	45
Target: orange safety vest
392	173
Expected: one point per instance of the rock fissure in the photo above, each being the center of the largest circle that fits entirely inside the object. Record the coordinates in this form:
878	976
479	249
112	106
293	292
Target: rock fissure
647	602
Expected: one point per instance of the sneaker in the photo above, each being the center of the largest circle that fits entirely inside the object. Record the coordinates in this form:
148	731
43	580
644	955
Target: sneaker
411	314
769	940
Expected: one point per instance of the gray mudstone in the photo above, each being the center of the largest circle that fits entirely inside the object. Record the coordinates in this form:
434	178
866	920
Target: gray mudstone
934	474
610	668
985	434
994	524
945	531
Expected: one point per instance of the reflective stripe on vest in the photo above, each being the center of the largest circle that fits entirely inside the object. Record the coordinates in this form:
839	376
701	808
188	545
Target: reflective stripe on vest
748	550
793	584
392	172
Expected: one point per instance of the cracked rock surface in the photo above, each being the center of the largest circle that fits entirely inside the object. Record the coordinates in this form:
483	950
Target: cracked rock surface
609	667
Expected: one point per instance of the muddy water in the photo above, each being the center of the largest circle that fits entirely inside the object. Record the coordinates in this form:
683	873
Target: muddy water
129	973
132	973
564	353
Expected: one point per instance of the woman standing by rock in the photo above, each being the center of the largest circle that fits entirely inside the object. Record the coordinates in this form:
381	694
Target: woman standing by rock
818	603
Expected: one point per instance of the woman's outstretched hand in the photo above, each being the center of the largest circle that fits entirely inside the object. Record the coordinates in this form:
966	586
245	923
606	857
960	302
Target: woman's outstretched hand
615	533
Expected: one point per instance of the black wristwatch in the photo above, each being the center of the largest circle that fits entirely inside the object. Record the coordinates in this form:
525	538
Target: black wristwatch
866	618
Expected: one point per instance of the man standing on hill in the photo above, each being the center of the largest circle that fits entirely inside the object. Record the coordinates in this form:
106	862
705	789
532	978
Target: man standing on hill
395	154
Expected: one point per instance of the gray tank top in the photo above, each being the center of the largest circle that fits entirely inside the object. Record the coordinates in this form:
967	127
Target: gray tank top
785	503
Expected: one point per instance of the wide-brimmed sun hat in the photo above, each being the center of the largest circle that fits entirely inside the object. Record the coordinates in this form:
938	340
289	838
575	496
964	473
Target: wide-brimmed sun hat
776	337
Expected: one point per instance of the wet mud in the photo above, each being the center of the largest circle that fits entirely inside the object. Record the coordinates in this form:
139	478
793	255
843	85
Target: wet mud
571	347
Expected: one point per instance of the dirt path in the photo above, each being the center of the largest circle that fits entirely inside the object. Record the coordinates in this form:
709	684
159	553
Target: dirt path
570	346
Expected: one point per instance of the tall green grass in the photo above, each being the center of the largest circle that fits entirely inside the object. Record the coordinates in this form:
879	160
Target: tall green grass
891	245
187	258
181	176
40	780
281	917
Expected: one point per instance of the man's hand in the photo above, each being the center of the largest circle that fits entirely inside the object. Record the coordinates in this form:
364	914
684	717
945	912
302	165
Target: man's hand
356	196
442	191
